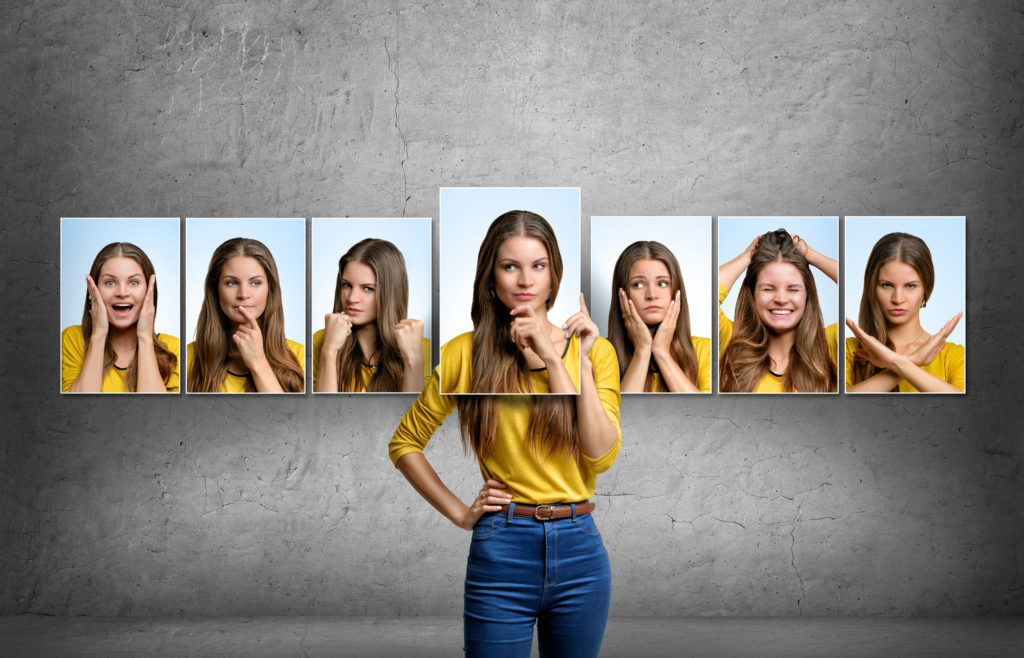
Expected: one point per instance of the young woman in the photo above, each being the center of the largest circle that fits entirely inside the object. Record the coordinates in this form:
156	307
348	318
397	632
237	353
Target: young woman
891	351
368	343
116	349
539	455
777	342
240	345
653	320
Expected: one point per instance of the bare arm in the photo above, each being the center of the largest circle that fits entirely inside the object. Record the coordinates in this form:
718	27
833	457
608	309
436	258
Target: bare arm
903	366
729	272
90	377
423	478
598	433
147	368
676	380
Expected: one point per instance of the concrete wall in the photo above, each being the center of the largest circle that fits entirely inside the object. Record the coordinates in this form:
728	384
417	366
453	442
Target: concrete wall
763	506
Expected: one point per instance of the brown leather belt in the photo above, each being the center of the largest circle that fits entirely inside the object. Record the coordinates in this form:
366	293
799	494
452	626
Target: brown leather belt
548	512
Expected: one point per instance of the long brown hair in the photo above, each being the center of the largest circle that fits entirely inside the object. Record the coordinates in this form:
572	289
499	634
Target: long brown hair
498	365
212	350
392	297
682	347
746	359
903	248
166	360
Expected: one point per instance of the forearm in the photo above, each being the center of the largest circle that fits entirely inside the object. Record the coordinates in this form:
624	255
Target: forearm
921	379
880	382
829	266
412	378
327	379
90	377
676	380
264	379
148	369
729	272
423	478
634	380
597	431
558	377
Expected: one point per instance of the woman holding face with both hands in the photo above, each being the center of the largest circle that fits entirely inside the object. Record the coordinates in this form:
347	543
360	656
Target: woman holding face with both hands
778	342
116	349
890	350
650	325
240	345
368	343
536	555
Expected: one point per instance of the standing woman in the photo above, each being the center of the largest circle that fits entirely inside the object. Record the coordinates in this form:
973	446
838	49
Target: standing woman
653	320
536	554
240	345
368	343
116	348
891	351
778	342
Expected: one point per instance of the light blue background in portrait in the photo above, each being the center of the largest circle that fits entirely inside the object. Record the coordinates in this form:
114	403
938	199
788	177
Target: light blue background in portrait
821	233
689	240
286	240
332	237
945	237
82	238
467	212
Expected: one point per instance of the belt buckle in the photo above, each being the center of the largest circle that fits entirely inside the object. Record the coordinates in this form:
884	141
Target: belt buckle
538	508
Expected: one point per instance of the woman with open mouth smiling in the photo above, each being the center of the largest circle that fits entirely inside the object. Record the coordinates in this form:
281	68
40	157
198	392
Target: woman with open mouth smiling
778	342
536	557
650	325
890	350
368	343
240	345
116	349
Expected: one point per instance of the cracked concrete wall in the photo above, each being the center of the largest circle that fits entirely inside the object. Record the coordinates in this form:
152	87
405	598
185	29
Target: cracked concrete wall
760	506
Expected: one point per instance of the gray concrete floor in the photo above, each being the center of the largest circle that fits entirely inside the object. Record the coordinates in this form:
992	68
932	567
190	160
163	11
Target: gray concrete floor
33	635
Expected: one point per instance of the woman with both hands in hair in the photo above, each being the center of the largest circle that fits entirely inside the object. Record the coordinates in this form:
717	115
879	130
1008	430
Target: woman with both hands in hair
536	556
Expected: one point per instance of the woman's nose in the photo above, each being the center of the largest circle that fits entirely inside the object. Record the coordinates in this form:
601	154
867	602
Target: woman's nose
525	278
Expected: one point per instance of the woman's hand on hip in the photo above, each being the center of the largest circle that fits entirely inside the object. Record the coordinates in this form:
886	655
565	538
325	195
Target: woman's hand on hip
490	498
583	326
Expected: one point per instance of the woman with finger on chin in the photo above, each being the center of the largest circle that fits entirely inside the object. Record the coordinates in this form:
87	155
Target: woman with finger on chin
777	341
890	350
240	345
116	348
367	343
650	325
538	405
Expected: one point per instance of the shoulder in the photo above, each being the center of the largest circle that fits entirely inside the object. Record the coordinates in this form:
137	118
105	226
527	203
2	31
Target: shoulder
72	334
190	350
602	347
425	344
169	341
832	332
461	344
701	345
298	349
952	352
318	337
456	366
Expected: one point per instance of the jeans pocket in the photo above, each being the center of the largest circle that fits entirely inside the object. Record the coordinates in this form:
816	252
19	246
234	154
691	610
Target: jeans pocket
587	525
489	525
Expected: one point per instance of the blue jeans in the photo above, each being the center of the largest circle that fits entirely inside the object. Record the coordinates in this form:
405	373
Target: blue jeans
522	571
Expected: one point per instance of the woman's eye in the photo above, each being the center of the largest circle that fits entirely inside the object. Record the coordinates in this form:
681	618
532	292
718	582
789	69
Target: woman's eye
911	285
108	283
133	282
367	288
510	267
638	285
663	284
538	266
255	284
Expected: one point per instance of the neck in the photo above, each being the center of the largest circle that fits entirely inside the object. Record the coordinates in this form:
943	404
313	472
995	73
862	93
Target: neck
124	342
779	348
366	335
903	334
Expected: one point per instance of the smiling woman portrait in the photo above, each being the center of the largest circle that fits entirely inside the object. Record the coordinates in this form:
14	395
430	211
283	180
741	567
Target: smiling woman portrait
777	341
240	346
539	455
116	348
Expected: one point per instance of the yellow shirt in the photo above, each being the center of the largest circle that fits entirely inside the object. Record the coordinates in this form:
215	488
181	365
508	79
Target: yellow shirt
236	383
702	346
72	354
948	366
532	478
769	383
365	371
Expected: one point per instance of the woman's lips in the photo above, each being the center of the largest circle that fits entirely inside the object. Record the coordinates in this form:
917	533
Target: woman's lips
525	296
353	311
652	308
897	311
781	311
122	309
